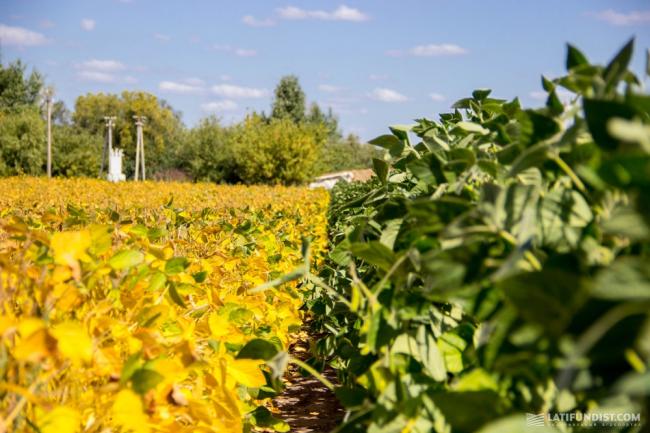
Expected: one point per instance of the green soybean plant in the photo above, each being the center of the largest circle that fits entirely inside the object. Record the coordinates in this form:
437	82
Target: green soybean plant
498	264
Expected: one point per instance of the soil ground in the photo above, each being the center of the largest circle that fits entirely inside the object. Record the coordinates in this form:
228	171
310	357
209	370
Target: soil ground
306	404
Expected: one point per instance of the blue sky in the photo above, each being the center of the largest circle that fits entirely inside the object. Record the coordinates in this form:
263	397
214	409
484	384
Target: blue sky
374	62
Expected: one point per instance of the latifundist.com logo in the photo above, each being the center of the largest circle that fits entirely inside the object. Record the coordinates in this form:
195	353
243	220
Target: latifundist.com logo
584	419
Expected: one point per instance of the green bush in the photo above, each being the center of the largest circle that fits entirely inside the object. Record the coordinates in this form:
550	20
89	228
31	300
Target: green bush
22	142
207	152
75	152
345	154
501	266
275	151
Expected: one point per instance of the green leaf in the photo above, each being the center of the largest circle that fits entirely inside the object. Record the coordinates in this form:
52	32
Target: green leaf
389	233
618	65
473	127
156	233
422	171
176	297
380	168
431	355
598	114
574	57
481	94
145	379
394	145
452	347
176	265
258	349
401	132
262	417
157	282
130	366
350	396
554	104
549	297
547	84
467	411
627	279
374	253
634	384
200	277
533	156
126	259
515	424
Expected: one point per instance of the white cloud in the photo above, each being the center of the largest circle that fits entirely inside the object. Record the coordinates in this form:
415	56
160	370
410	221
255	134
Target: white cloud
342	13
621	18
225	77
250	20
437	97
437	50
174	87
387	95
87	24
97	76
162	37
243	52
47	24
238	92
195	81
328	88
429	50
378	77
20	37
216	106
103	65
103	71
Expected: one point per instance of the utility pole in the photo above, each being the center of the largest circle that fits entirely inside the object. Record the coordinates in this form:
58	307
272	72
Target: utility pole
108	145
48	100
139	147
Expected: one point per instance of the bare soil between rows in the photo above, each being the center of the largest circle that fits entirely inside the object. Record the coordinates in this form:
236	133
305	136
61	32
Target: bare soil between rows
306	404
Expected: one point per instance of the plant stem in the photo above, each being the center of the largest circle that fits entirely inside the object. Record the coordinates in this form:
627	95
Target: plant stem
313	372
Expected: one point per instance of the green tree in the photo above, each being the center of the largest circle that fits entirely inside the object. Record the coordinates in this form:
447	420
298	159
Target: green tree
289	101
345	154
206	153
22	141
328	119
279	151
76	152
16	88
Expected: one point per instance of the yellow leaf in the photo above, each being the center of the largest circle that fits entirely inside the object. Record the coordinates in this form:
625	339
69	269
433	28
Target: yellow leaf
128	412
6	322
73	342
60	420
219	325
35	342
68	247
247	372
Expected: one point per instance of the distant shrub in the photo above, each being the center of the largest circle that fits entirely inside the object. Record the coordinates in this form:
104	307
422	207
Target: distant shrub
277	151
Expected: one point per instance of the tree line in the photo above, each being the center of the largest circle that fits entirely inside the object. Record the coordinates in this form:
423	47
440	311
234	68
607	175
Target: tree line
290	145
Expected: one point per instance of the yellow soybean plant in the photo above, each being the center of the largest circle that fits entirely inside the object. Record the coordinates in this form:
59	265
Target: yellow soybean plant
123	306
